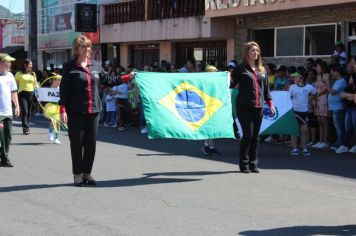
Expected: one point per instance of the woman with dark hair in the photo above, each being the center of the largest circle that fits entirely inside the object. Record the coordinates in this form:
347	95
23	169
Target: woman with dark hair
80	106
27	83
253	91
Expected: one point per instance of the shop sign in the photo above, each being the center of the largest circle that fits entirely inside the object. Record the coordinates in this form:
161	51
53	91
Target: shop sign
223	4
56	40
62	22
1	33
85	17
18	39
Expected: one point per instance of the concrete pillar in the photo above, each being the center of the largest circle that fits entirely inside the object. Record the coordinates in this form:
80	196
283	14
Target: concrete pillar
165	51
230	49
124	54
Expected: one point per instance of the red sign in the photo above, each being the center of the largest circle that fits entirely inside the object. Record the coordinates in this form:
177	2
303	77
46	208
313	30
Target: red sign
1	34
18	39
93	36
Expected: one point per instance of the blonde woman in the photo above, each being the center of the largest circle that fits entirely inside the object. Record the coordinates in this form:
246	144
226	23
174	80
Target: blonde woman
81	105
27	83
253	91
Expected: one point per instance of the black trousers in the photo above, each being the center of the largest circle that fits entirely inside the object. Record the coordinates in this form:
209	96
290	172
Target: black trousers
25	101
82	131
250	119
5	138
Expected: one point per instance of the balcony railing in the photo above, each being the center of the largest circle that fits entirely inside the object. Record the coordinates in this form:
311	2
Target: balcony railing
125	12
141	10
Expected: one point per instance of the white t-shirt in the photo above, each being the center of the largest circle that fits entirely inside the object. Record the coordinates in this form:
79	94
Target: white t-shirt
123	89
300	96
7	85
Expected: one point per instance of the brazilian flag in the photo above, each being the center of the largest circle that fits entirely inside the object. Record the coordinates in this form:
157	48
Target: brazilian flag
186	105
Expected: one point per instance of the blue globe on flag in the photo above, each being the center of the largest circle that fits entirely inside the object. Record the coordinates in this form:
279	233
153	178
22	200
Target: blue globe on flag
190	106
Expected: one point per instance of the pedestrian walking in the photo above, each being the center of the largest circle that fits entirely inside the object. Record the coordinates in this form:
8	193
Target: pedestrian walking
27	84
8	95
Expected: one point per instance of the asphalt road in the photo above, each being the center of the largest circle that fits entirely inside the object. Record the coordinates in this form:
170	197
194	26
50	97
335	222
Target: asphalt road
167	187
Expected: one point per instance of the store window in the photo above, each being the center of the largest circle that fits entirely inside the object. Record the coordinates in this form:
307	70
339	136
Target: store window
265	39
205	52
319	40
307	40
144	54
289	42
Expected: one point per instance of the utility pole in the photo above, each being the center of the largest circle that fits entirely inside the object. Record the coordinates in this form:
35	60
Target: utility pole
32	34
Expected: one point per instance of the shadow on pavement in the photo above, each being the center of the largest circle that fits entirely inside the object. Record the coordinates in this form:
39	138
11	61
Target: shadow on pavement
190	173
343	230
272	156
146	180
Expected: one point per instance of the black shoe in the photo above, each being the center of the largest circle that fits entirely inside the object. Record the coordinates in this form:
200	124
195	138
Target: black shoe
27	132
214	152
87	179
7	164
78	180
255	170
245	171
206	150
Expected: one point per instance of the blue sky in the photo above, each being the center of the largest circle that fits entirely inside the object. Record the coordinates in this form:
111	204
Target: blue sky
15	6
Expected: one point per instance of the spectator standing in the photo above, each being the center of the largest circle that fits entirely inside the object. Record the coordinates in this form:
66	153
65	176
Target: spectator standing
337	107
321	110
350	117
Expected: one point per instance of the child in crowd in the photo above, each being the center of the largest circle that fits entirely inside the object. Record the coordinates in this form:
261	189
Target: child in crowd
51	111
110	100
208	148
312	120
300	93
281	80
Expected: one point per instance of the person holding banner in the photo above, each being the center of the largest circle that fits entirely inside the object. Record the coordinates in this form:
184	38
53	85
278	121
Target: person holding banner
51	112
253	91
8	94
80	106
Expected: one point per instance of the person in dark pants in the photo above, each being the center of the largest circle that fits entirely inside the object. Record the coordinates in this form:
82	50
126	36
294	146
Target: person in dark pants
251	78
80	106
27	83
8	94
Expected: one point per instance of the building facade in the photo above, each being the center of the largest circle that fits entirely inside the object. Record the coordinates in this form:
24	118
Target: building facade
56	31
141	32
289	31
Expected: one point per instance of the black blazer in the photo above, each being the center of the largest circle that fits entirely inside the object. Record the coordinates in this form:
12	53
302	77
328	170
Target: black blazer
253	87
79	90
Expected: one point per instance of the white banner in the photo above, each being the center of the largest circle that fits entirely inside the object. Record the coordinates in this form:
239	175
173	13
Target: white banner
48	94
282	103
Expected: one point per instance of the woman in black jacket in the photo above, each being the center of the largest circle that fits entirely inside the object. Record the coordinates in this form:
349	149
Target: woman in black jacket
251	78
80	106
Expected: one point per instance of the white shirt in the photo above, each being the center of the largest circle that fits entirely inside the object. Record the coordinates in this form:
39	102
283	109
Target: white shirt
7	85
110	103
123	89
300	96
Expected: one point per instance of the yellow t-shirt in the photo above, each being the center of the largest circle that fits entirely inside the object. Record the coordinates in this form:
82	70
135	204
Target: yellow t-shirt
26	82
271	81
